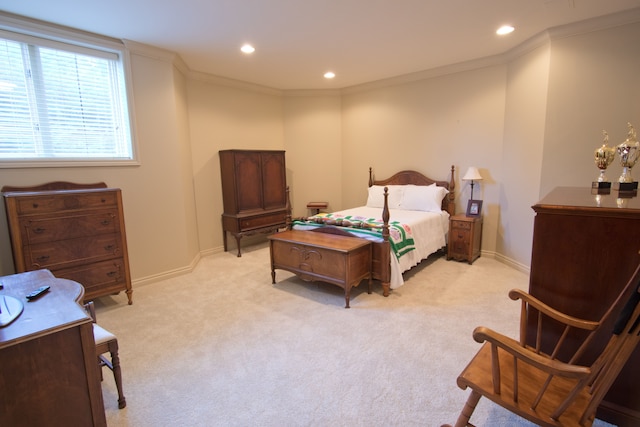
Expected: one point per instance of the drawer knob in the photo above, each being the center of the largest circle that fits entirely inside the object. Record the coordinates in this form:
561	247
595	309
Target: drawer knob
109	247
35	205
112	273
42	258
39	230
105	222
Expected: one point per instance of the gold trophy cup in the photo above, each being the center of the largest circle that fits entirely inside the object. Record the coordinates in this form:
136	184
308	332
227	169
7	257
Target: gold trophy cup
603	157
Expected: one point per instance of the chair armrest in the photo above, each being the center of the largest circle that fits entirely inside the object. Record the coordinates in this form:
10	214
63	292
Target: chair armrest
550	366
516	294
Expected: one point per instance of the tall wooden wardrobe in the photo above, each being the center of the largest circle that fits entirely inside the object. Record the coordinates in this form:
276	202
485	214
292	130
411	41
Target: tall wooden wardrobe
585	249
254	192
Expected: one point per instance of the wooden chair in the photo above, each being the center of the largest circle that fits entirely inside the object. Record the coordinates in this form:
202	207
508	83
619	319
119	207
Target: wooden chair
107	342
537	385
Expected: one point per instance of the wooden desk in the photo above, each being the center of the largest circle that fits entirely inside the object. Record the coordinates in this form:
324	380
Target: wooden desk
585	249
341	260
49	371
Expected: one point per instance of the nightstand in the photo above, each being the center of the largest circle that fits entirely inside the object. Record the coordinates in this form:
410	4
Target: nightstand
465	238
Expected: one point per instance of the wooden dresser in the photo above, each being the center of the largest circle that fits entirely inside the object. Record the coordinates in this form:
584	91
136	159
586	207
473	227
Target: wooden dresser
254	193
49	374
585	249
75	230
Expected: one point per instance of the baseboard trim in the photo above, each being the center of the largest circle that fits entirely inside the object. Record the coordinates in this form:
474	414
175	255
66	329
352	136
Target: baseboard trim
175	272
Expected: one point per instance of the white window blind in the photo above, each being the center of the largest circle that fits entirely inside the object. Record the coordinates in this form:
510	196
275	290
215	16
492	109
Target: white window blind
61	102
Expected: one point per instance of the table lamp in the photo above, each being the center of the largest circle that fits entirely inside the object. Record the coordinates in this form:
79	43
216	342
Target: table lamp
472	175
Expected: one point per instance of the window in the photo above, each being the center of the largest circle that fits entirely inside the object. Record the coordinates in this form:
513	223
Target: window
62	103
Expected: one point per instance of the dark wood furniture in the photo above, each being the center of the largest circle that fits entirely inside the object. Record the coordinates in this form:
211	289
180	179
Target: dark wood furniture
341	260
537	384
585	247
254	193
381	251
48	364
317	206
465	238
75	230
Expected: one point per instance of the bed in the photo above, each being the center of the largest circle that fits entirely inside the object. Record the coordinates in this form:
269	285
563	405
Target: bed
406	217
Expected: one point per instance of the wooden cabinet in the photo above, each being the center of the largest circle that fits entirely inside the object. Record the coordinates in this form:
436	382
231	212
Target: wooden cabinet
341	260
465	238
585	249
49	373
75	230
254	193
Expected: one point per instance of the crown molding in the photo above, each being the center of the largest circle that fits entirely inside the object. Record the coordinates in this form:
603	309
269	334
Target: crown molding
232	83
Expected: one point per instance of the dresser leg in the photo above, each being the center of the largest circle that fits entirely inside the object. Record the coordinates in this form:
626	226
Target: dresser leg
238	237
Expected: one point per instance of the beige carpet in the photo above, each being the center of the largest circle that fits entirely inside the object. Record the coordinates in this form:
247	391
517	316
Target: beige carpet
222	346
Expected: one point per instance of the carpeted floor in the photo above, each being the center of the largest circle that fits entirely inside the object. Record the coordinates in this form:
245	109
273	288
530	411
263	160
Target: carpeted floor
222	346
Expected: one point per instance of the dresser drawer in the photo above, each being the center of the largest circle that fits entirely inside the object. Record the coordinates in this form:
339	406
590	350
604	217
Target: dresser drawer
27	205
97	275
68	252
47	229
263	221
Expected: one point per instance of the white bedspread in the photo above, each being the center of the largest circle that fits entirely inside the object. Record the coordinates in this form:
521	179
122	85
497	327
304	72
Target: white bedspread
429	233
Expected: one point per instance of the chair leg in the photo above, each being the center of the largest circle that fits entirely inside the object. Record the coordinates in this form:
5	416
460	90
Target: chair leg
467	411
117	374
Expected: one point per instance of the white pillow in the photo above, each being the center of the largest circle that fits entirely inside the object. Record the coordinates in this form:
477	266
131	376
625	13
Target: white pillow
376	196
423	198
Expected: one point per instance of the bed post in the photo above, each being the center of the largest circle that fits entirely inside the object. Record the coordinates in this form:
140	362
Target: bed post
451	204
288	221
370	177
386	247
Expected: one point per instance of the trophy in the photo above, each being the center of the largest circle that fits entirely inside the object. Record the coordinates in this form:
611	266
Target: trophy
603	158
629	153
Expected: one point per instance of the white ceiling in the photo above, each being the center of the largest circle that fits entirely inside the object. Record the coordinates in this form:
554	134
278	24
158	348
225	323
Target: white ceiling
298	40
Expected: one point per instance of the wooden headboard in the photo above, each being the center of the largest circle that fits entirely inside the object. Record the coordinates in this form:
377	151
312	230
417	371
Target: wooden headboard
416	178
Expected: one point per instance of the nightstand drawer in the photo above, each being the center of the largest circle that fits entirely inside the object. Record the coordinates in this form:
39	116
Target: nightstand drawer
461	225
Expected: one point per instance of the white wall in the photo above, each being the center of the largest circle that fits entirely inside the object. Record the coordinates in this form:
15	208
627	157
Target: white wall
312	129
594	84
519	172
224	116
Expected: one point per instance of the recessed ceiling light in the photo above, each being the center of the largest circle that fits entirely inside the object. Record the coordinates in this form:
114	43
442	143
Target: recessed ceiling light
505	29
329	75
247	48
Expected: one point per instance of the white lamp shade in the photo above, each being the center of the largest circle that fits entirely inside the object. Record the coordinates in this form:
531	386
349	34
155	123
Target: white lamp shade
472	174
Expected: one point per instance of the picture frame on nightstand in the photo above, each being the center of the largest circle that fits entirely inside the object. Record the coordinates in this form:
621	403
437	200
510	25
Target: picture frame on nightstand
474	208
